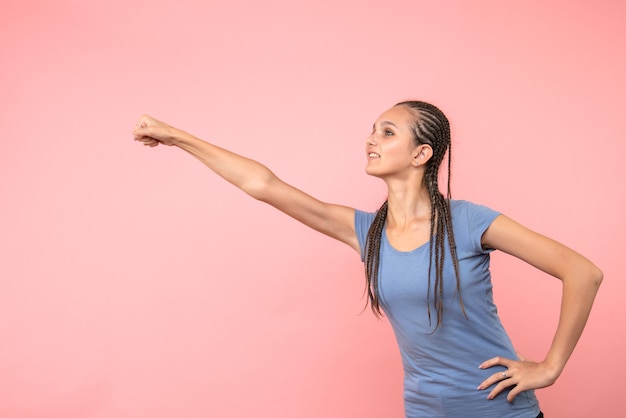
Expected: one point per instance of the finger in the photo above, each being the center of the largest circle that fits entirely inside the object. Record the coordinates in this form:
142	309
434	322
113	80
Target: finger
141	125
513	393
494	378
144	139
496	361
137	129
500	387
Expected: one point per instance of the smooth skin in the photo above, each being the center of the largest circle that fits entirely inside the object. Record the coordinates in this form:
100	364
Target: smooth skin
393	157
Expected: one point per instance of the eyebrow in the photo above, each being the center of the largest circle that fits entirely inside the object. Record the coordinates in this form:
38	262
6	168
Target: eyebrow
385	123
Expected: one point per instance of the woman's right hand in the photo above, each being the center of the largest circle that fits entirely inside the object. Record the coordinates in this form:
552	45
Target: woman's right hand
152	132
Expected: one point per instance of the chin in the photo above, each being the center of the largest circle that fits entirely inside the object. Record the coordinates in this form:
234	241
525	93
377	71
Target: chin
371	172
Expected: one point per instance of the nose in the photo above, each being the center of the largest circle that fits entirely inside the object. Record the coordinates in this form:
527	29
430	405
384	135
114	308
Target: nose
371	140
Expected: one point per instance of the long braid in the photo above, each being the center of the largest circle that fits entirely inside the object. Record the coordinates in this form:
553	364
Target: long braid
431	127
372	253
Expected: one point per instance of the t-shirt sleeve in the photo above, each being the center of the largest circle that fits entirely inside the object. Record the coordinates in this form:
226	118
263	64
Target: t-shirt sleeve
362	222
478	219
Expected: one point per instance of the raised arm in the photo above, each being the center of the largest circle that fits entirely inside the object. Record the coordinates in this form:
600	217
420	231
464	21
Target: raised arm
256	180
581	280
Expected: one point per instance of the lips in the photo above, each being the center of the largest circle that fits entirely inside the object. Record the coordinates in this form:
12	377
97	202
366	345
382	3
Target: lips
373	155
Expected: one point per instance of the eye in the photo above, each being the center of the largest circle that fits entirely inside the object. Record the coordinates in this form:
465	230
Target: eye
388	132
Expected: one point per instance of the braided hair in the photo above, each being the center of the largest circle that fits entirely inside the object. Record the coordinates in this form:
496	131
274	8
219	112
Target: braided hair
431	127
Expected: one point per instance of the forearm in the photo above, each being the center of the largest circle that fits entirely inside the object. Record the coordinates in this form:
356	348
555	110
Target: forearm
577	298
249	175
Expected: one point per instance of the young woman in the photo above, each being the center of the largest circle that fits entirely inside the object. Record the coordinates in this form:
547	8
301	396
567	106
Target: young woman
427	265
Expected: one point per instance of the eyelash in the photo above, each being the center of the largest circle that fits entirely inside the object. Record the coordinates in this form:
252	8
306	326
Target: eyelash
386	132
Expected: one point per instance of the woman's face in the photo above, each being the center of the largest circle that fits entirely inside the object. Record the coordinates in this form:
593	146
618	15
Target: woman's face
390	148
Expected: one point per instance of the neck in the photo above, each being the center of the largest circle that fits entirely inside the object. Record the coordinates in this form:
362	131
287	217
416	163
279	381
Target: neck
407	202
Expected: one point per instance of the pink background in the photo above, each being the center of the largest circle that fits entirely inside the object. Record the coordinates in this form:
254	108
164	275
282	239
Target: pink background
134	283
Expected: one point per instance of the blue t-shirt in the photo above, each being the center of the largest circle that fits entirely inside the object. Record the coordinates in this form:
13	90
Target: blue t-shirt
441	371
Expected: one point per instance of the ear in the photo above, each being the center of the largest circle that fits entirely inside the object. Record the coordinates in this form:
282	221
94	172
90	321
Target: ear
421	154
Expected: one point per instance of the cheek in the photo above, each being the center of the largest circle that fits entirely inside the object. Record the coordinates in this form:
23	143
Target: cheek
400	150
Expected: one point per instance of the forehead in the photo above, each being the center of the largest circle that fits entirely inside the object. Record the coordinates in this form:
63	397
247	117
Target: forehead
398	115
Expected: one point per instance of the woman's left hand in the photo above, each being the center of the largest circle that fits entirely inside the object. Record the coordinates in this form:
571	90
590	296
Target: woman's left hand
522	374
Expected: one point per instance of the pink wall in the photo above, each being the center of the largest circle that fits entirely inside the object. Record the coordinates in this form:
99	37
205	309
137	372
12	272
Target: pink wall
133	283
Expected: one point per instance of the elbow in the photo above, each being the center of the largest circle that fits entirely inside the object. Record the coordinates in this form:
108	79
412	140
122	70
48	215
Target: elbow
258	192
260	187
592	276
597	276
256	189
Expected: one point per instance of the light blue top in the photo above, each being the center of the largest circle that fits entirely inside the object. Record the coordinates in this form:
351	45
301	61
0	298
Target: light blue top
441	371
